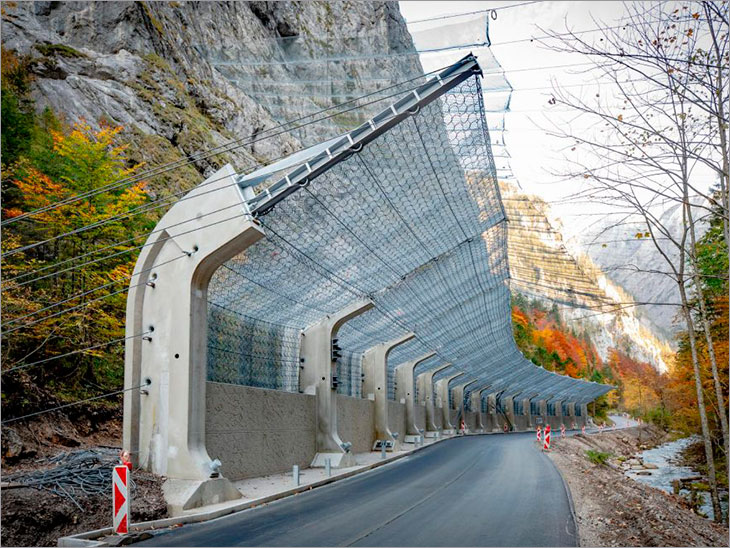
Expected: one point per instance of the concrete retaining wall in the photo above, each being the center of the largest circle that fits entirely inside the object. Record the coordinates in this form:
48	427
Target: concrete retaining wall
255	432
397	418
356	422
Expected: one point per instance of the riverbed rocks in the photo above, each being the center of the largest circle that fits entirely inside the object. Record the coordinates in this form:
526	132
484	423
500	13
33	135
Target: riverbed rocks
615	510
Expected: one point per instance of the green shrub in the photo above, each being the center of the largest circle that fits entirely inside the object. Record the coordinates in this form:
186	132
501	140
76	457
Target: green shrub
597	457
58	49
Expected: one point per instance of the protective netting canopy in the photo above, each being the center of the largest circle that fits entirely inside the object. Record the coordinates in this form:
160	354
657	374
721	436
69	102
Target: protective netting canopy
412	221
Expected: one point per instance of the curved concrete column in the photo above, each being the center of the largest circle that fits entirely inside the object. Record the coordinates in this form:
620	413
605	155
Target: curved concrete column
476	403
375	382
315	378
442	389
427	395
570	417
459	390
164	425
405	389
508	404
559	413
492	412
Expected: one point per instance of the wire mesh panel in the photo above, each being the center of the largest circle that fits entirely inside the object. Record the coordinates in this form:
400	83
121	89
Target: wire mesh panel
244	350
349	374
413	221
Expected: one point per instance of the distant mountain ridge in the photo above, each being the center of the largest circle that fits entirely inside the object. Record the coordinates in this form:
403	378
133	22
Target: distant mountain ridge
542	267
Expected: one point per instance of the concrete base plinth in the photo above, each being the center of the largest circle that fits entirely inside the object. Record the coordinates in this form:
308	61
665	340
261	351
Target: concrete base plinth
432	434
337	460
411	438
182	495
448	432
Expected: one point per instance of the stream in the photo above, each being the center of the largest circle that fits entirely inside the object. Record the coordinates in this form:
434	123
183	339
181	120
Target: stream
665	458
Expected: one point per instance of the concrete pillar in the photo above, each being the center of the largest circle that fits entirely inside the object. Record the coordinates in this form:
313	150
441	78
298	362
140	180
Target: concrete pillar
442	390
476	404
459	400
315	378
492	412
559	413
527	412
428	397
406	390
509	407
375	385
571	415
164	425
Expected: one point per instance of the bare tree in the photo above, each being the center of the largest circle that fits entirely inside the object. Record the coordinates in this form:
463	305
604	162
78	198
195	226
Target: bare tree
662	122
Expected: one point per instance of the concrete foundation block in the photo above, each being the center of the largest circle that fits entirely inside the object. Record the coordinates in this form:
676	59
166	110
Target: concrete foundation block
337	460
432	434
182	495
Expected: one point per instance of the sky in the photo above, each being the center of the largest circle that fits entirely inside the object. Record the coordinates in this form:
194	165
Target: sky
537	159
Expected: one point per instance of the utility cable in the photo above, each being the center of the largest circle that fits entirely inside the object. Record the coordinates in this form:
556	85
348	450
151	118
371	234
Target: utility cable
77	402
72	353
96	225
236	143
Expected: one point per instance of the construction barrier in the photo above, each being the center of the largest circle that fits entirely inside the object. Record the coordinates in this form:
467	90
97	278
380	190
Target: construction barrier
562	430
120	496
505	426
539	434
546	444
583	429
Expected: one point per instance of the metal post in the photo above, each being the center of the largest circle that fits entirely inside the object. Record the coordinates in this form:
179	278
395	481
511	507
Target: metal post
382	449
295	475
328	466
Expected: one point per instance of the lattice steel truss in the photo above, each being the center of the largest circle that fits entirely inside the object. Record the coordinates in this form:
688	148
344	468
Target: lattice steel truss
404	210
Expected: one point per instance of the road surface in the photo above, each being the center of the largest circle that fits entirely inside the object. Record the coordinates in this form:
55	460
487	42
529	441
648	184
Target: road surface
493	490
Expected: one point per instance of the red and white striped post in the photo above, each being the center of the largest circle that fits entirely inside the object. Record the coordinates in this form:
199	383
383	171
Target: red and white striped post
583	429
562	430
120	495
546	444
462	426
539	434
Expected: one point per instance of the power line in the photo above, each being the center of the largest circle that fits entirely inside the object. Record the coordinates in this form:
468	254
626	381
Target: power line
184	254
222	148
72	353
450	16
101	223
77	402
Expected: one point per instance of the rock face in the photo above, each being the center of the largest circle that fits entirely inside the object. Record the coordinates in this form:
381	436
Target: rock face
154	68
624	248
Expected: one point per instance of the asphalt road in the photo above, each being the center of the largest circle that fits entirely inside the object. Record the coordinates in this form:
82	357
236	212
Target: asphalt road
493	490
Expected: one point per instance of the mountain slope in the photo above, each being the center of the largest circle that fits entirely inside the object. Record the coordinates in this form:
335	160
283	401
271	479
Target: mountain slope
542	267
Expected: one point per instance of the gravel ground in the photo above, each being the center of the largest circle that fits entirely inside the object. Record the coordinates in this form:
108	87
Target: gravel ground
37	517
613	510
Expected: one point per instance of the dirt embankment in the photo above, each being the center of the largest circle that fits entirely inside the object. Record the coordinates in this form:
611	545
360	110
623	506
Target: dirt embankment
614	510
36	516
